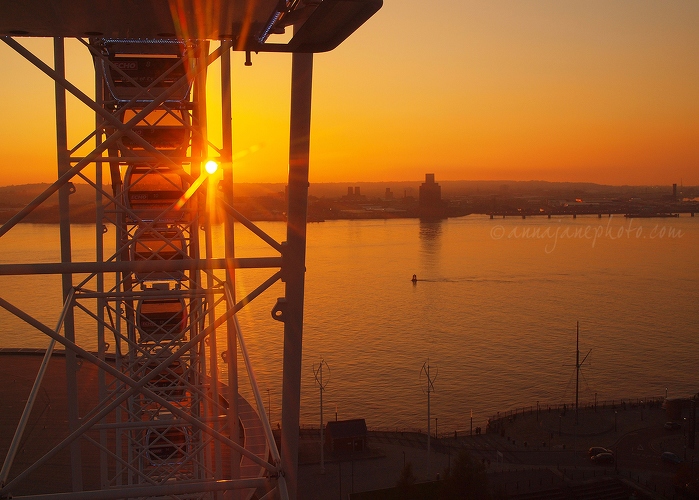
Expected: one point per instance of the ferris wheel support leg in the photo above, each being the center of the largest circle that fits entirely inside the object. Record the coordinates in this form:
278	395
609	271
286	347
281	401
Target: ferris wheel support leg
231	331
67	278
294	258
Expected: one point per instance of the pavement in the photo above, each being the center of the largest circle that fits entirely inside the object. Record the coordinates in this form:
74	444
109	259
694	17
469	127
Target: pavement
48	423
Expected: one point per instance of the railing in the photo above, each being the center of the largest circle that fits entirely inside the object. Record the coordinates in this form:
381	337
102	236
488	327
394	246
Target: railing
622	403
465	429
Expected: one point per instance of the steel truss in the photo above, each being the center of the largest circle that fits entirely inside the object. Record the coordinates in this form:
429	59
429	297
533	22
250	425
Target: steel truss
164	424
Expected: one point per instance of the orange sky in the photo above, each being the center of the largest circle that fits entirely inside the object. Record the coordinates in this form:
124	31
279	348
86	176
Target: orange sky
582	90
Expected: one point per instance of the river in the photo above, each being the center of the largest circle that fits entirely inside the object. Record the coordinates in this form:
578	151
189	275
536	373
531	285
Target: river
494	311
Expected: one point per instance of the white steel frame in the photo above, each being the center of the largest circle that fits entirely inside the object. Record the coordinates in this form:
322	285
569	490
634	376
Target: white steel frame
142	393
123	435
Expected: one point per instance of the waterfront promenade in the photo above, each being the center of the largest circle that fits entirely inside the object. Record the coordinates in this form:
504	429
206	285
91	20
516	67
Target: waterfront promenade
526	453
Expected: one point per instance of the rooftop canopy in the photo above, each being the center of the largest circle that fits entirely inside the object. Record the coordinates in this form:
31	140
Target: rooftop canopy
319	25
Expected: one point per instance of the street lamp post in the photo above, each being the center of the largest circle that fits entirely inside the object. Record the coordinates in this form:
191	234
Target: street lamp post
269	407
560	423
318	373
429	389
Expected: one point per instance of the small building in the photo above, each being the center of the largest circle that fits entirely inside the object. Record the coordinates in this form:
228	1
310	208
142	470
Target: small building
346	435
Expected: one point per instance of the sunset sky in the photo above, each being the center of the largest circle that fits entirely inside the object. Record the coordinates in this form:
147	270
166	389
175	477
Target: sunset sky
601	91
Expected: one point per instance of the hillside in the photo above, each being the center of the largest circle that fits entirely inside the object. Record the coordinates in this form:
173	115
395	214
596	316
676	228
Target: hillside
266	201
14	198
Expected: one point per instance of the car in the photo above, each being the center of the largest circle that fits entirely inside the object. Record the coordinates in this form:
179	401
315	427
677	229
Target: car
603	458
596	450
670	458
672	426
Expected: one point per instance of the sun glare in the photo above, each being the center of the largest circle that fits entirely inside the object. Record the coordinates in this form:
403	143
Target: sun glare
211	167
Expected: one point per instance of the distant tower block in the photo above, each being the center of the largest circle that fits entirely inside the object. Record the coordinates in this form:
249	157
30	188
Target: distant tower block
356	192
430	194
674	191
389	194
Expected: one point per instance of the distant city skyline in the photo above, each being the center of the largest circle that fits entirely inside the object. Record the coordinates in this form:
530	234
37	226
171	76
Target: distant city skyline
579	91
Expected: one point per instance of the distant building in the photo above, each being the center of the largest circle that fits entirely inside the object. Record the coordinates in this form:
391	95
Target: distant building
354	194
430	198
430	192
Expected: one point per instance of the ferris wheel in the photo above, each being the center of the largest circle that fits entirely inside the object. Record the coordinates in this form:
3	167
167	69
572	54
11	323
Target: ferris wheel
148	414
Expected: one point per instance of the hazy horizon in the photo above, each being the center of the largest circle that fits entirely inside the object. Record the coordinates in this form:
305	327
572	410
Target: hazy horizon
419	181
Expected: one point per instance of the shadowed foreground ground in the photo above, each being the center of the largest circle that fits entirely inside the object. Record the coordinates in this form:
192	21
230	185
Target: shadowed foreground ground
532	457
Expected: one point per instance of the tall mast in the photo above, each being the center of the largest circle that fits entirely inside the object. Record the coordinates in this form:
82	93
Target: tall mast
578	365
577	368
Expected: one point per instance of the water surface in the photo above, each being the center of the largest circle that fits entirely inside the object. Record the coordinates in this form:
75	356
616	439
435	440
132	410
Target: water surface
494	310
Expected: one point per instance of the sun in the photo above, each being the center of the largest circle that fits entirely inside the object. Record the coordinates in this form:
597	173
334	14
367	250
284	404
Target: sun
211	167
